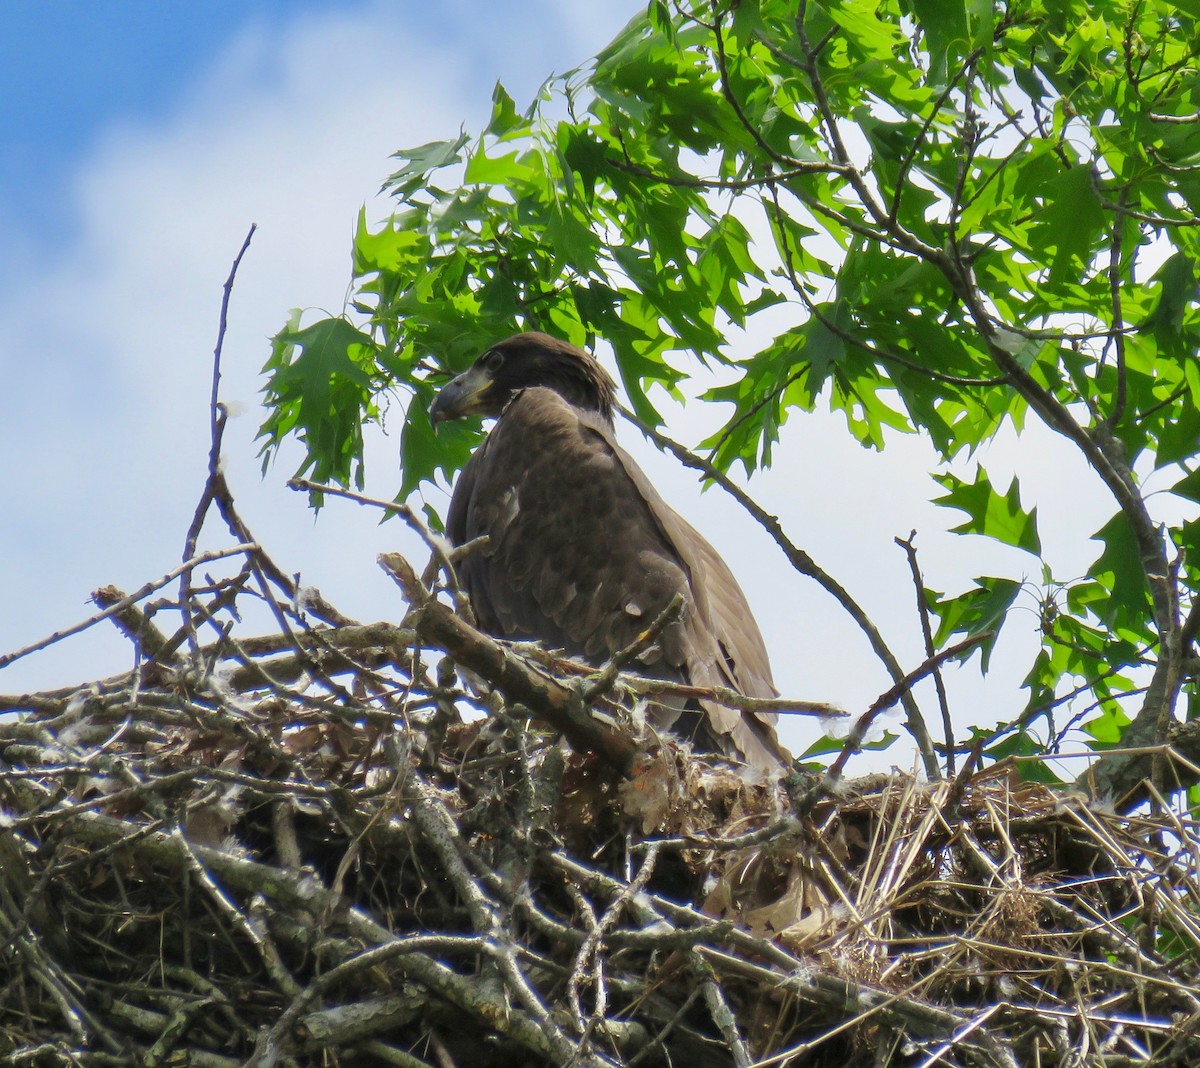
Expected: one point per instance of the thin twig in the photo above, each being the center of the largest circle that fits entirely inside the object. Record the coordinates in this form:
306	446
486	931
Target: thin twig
805	564
910	549
132	599
217	416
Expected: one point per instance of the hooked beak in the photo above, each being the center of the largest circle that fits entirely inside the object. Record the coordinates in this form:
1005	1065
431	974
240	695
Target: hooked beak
460	396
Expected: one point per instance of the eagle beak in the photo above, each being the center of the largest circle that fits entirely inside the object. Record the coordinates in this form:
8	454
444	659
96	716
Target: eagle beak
460	396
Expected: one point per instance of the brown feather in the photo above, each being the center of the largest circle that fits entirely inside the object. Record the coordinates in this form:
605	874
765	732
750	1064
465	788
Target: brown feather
583	552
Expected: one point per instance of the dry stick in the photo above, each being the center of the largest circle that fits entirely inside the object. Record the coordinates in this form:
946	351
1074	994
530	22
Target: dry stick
590	948
217	416
269	1045
60	987
888	698
437	828
583	909
718	1008
545	697
806	565
1113	937
133	598
642	684
342	642
594	687
224	594
335	979
257	917
660	1039
958	787
437	546
216	490
266	568
910	548
342	1027
809	983
237	920
150	642
662	938
290	892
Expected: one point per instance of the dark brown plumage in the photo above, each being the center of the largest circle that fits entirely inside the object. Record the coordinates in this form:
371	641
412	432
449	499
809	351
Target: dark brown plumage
583	553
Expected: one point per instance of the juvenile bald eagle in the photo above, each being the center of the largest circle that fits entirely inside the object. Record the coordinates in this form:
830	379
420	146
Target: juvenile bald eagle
583	553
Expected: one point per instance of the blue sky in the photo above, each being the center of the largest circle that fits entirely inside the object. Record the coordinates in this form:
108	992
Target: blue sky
72	71
141	139
75	73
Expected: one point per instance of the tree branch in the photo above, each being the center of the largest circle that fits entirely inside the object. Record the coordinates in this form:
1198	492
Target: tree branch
805	564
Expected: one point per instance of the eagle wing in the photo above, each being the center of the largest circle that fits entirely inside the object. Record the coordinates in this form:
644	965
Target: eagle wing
583	554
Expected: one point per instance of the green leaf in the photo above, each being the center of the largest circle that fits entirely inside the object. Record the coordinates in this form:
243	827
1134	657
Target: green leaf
659	15
992	514
824	344
1108	727
505	117
424	158
1188	487
1023	743
392	248
945	26
1179	431
1177	292
827	745
1070	221
1118	569
423	452
506	169
977	611
319	384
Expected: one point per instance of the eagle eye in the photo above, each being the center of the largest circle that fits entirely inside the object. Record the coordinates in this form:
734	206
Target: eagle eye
493	360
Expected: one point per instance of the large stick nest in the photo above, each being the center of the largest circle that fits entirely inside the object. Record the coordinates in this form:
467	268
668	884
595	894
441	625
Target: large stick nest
301	849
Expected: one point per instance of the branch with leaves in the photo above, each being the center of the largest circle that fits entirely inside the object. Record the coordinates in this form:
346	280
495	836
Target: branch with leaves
951	220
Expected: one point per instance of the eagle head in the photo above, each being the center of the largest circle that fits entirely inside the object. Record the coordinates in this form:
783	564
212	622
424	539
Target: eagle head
520	362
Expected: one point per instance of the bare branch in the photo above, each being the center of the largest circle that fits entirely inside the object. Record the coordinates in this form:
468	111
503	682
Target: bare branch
805	564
